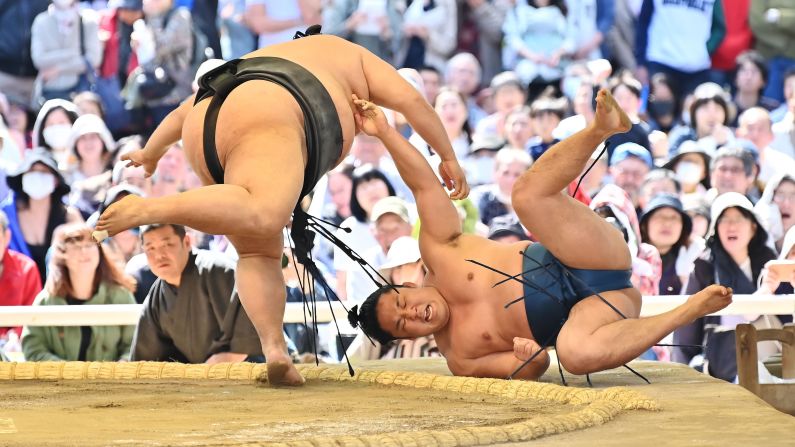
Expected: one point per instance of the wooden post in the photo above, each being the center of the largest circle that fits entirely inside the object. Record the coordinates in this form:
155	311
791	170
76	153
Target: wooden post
788	355
747	369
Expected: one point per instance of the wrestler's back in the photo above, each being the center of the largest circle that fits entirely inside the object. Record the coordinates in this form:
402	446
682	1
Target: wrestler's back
479	324
257	107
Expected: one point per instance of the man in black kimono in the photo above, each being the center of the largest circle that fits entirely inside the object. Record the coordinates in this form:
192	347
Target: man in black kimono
192	313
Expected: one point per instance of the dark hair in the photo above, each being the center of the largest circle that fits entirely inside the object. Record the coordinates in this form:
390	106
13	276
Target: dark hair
361	175
662	174
684	236
560	4
40	137
555	106
663	79
625	78
179	230
719	97
735	152
431	69
756	245
367	316
753	57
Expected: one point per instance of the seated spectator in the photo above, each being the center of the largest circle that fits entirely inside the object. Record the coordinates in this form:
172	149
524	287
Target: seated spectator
507	94
784	129
192	314
596	175
452	109
35	207
776	208
613	204
89	103
732	171
627	91
391	220
666	226
755	126
518	129
479	164
657	181
578	87
629	165
735	255
545	116
698	209
64	46
19	278
81	273
749	82
463	73
431	82
711	111
92	147
662	108
774	283
172	173
691	163
494	199
53	128
122	246
369	186
507	230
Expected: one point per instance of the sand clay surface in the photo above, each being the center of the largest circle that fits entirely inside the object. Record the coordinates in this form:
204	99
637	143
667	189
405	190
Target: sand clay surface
207	412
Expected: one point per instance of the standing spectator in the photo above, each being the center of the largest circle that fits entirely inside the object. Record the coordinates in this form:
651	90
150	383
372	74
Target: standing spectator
205	19
375	25
756	127
429	33
534	36
118	59
276	21
772	22
35	207
738	39
19	278
192	313
619	44
17	71
749	82
683	55
463	73
81	274
784	130
236	37
484	19
589	21
776	208
629	165
735	255
65	48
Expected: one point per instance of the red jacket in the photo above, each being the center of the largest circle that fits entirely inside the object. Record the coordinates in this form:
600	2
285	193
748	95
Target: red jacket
109	34
19	283
739	36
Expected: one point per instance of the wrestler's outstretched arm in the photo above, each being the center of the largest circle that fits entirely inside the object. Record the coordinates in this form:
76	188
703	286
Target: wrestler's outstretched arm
389	89
500	365
168	132
440	221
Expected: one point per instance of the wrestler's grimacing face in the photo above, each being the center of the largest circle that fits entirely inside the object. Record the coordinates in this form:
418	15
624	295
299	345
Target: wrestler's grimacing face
414	312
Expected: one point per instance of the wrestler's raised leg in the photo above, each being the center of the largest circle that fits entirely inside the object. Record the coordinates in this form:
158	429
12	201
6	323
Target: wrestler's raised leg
261	287
568	229
595	338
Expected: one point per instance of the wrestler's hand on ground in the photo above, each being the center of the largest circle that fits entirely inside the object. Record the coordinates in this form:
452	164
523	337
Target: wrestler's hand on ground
141	157
454	179
524	348
369	117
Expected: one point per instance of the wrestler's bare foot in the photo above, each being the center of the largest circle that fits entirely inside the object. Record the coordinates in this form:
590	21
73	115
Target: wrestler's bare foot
281	371
709	300
610	119
125	214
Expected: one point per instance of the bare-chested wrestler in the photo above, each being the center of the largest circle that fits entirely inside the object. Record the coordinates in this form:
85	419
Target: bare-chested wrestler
459	304
264	149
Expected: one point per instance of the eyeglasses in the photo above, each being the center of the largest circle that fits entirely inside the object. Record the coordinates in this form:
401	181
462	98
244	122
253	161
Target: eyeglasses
734	170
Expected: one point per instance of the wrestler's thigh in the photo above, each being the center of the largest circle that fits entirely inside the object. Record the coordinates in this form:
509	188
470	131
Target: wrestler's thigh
573	233
591	314
251	245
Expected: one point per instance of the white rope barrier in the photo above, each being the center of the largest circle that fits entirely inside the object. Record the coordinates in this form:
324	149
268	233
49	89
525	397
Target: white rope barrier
128	314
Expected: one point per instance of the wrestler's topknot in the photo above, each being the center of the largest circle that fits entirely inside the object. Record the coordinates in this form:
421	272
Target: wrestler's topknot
367	318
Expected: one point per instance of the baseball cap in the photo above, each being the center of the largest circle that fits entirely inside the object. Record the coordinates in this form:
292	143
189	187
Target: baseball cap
507	225
404	250
629	149
391	204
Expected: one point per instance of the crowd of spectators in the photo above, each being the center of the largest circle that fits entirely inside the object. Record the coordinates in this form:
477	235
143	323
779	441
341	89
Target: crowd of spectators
702	186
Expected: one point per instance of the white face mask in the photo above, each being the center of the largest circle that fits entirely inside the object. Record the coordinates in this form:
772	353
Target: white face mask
688	173
57	135
62	4
38	185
